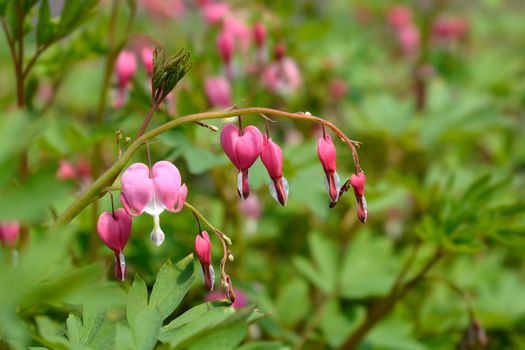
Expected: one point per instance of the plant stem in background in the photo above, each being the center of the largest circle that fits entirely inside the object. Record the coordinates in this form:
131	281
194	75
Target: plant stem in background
113	172
383	306
96	160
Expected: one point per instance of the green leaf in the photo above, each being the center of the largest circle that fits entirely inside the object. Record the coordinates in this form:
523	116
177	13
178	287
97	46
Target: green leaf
146	327
369	267
261	345
3	6
214	319
137	299
44	29
337	323
226	339
172	284
293	303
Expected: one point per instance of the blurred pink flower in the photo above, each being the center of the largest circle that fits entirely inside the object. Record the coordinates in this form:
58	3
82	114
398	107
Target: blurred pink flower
409	39
125	68
214	12
337	89
9	231
164	8
239	30
399	16
218	91
241	299
153	191
66	171
146	54
450	28
251	207
282	76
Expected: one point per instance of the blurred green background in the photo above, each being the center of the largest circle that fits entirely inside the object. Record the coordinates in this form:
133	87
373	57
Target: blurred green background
435	91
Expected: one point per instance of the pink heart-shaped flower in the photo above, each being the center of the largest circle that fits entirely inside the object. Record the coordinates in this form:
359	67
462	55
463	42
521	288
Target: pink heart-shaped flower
114	230
243	150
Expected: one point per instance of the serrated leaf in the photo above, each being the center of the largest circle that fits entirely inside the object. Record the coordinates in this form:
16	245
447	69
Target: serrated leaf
146	327
171	285
137	299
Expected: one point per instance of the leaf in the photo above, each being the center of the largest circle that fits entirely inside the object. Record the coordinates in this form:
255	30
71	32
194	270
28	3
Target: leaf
293	303
3	6
172	284
226	339
337	323
137	299
369	267
146	327
44	29
213	320
262	345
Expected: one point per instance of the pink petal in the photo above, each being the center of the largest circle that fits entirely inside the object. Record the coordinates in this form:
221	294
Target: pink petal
183	193
167	182
229	139
272	158
114	231
248	147
326	152
137	188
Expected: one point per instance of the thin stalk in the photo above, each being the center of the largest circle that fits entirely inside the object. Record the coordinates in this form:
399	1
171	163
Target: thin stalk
107	179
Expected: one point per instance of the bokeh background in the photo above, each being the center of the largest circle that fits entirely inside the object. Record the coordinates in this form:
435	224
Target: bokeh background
434	90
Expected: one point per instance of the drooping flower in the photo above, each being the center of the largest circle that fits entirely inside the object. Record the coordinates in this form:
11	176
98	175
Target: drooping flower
125	68
218	91
327	155
358	184
165	8
409	39
153	192
146	55
259	36
203	249
272	158
282	76
449	28
66	171
214	12
9	231
243	148
114	230
399	16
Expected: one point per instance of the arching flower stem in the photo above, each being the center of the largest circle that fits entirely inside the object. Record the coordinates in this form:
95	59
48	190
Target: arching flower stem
107	179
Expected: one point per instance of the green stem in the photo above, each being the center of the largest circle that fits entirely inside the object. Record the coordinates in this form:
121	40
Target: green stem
107	179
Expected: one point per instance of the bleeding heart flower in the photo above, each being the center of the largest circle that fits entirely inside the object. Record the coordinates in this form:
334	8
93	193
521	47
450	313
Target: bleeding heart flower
282	76
153	192
125	68
66	171
327	156
203	249
272	158
114	230
147	60
243	148
358	183
9	231
218	91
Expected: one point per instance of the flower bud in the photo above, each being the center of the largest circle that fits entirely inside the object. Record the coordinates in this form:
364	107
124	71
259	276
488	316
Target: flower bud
358	184
327	155
218	91
203	249
259	34
125	68
272	158
9	231
225	45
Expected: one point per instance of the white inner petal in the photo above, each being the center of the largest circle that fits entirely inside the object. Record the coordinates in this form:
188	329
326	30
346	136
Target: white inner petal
212	275
157	236
154	206
122	265
273	191
239	184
